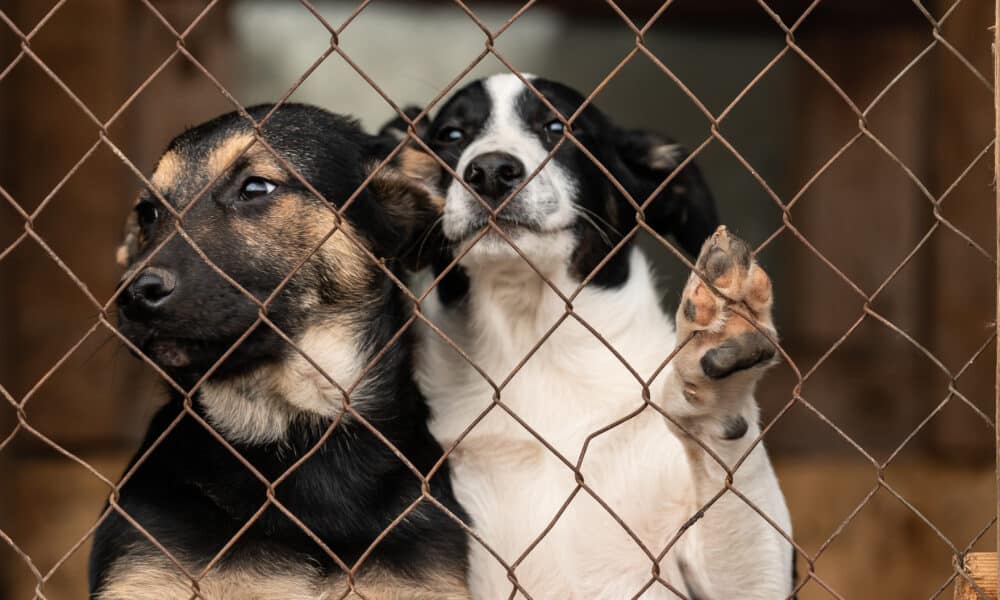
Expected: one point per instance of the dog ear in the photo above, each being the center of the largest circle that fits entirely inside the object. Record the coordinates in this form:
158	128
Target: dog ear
397	128
407	192
685	208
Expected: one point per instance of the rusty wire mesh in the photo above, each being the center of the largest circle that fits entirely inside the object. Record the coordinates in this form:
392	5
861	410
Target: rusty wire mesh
105	307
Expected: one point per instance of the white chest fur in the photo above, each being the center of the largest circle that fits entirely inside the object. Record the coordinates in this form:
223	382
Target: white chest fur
570	387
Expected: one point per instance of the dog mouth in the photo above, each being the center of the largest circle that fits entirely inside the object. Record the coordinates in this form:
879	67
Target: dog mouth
170	353
187	350
534	211
511	231
507	224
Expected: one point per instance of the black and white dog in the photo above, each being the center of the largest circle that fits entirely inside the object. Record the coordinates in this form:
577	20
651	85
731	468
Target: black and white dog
271	403
647	472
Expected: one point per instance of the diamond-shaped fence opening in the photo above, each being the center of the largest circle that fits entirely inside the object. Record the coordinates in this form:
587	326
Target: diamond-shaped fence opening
849	142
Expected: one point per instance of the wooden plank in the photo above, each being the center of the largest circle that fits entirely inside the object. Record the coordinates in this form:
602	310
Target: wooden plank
10	228
57	504
92	399
46	312
885	537
996	322
98	403
864	216
981	567
963	282
739	14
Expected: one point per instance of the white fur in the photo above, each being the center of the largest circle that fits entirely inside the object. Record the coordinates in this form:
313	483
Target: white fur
572	386
547	199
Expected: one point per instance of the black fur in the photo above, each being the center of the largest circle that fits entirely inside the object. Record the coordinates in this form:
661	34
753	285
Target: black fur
191	493
684	209
742	352
734	427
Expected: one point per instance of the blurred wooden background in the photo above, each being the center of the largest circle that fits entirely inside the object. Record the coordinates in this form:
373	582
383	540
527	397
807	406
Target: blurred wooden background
863	214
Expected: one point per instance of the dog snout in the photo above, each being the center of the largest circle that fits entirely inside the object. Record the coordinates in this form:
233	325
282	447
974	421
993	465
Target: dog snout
493	175
149	291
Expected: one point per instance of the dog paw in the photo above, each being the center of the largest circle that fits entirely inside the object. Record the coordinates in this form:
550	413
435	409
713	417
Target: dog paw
727	352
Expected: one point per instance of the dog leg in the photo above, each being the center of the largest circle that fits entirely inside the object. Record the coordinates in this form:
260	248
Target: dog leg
719	367
733	552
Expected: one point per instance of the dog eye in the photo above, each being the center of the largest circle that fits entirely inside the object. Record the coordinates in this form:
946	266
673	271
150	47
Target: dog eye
450	135
147	213
256	187
555	127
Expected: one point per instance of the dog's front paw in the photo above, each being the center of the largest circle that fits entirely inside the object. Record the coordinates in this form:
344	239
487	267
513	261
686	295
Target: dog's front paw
727	353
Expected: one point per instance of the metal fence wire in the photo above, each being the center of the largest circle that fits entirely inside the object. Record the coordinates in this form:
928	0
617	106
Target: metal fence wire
105	307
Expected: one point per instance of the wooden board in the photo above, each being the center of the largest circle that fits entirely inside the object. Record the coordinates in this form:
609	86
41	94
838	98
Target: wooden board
982	570
741	14
92	399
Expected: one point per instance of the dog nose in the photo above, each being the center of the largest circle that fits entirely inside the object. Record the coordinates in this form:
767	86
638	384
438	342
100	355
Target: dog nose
493	175
148	291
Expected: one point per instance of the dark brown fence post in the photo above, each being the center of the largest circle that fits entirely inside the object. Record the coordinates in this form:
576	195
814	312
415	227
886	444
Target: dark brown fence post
996	171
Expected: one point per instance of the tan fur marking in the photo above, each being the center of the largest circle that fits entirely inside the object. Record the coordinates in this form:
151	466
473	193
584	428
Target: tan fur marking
129	247
420	173
259	407
148	578
418	165
121	256
403	195
293	226
264	163
168	170
340	250
386	586
223	155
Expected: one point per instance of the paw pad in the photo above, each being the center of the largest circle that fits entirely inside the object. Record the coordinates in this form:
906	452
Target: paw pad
728	342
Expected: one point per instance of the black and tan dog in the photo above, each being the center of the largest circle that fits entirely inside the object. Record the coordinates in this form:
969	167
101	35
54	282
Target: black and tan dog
268	400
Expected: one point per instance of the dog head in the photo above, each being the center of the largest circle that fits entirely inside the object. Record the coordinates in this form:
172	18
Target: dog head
244	208
496	133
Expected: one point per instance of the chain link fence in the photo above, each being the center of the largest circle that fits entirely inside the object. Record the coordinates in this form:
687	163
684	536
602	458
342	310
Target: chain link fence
103	306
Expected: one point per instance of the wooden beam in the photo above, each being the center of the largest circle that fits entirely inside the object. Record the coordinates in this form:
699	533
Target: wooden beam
98	402
962	284
981	568
743	15
996	169
863	214
46	312
10	228
91	401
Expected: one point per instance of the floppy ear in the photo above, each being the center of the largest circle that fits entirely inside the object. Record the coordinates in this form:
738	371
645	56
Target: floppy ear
397	128
685	208
406	191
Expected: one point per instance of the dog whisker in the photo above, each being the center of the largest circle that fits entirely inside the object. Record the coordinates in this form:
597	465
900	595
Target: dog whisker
100	346
601	219
427	234
597	228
